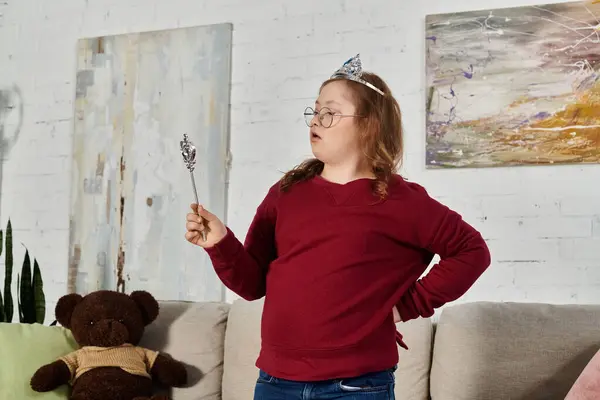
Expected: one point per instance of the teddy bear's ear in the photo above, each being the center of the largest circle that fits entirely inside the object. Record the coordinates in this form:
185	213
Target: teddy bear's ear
147	305
64	308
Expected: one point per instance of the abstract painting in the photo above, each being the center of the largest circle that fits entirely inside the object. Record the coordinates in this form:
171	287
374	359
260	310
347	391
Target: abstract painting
136	95
514	86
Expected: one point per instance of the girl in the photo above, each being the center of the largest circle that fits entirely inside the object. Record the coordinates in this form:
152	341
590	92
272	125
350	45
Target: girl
337	245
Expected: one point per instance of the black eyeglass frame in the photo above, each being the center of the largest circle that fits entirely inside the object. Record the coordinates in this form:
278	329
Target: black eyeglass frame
311	112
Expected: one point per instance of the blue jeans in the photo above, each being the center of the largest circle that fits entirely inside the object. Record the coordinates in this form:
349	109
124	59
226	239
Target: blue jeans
372	386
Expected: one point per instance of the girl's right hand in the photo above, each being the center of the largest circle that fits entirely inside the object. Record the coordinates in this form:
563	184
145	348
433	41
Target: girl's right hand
215	232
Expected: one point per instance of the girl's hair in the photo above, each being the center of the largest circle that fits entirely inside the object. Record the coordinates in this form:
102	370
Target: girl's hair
381	138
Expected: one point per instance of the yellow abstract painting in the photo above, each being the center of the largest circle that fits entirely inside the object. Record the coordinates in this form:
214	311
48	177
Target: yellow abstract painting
514	86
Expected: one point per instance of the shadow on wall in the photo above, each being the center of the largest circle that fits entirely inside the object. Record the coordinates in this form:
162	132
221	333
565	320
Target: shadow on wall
11	121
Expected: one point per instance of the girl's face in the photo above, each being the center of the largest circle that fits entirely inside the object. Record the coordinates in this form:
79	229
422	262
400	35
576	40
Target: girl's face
334	136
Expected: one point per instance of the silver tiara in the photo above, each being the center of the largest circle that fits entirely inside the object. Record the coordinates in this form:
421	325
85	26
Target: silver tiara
352	69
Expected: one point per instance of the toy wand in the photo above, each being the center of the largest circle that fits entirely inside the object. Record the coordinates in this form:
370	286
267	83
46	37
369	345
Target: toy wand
188	152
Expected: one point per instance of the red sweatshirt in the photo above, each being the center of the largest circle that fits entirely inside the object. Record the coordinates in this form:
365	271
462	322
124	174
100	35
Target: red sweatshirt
333	259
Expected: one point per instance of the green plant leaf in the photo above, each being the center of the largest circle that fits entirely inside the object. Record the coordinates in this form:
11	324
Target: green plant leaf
2	316
27	300
8	270
19	299
38	294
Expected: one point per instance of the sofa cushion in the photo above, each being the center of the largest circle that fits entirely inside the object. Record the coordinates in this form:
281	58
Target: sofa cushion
242	345
533	351
587	385
193	333
412	375
23	349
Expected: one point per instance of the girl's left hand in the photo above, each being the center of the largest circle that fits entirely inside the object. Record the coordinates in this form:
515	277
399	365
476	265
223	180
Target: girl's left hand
396	315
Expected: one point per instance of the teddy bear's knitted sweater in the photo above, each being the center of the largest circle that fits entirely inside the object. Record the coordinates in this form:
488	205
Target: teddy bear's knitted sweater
133	359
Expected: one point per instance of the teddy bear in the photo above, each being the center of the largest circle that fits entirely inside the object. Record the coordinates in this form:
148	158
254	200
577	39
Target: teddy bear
108	325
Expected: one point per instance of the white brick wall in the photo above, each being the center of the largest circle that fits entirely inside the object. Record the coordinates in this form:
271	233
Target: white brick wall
543	223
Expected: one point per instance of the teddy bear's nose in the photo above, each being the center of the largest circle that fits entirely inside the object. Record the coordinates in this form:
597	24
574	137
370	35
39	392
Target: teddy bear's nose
112	323
109	323
109	332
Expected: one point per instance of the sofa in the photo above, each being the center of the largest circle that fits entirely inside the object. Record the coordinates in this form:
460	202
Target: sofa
473	351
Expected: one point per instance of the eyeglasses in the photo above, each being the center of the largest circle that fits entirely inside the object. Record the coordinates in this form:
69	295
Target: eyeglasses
325	116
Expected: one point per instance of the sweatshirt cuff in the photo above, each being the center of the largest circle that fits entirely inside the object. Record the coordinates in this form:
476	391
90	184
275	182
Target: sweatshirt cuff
225	249
404	316
406	313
